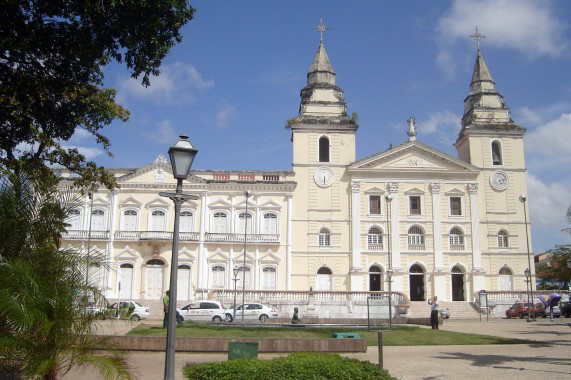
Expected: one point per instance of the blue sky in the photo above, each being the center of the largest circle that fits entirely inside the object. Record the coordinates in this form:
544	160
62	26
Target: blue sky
235	80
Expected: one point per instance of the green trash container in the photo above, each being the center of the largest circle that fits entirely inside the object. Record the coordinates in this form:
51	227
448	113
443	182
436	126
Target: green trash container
239	350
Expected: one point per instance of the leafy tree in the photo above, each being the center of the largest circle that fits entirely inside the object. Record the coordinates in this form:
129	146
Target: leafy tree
44	330
557	270
52	55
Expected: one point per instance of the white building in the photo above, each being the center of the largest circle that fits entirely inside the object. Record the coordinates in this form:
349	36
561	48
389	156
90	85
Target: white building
454	225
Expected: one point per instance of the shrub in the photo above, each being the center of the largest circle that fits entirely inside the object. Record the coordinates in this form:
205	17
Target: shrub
300	365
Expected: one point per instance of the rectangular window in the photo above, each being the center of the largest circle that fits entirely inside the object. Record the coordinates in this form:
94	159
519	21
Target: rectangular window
375	204
414	205
455	206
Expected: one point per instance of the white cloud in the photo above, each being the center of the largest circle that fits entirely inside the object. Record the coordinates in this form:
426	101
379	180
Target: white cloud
552	138
445	125
529	26
224	114
176	84
164	133
548	203
89	153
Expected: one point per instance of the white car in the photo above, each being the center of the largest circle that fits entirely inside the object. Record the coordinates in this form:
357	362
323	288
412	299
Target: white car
131	310
203	311
251	311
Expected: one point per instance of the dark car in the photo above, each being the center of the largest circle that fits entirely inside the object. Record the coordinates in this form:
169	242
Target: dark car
565	308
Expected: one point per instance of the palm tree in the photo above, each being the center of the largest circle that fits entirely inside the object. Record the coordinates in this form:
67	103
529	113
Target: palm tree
44	331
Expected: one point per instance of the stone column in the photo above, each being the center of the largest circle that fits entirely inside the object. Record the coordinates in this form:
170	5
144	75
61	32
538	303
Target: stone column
477	270
438	275
288	241
201	270
356	270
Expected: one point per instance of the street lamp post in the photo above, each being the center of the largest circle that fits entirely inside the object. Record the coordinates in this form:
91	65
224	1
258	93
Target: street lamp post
93	186
390	276
182	155
523	200
527	273
247	195
236	270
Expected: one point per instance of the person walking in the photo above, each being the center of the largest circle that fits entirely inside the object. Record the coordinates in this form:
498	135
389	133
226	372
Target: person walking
433	302
166	299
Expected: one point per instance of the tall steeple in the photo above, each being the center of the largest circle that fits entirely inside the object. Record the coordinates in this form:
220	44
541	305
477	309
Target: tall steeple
322	103
484	107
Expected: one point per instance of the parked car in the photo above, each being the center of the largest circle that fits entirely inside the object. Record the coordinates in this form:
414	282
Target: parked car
519	309
541	310
203	311
565	308
129	310
251	311
445	313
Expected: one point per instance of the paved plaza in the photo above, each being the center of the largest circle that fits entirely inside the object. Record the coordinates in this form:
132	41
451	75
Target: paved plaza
549	358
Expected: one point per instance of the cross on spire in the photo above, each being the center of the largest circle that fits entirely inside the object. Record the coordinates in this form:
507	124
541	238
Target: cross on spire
477	36
321	28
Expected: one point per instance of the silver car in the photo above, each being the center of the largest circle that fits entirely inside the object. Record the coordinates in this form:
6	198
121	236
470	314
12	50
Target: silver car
252	311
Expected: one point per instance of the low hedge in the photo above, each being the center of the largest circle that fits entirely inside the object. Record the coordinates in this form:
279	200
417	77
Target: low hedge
300	365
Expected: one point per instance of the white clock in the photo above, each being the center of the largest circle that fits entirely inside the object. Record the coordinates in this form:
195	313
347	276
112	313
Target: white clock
499	180
324	177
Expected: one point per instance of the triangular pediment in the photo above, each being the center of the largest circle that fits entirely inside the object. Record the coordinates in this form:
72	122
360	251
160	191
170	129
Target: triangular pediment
130	202
242	204
127	254
185	256
270	257
414	191
374	190
219	204
270	205
159	172
98	200
240	258
218	256
158	202
412	157
454	192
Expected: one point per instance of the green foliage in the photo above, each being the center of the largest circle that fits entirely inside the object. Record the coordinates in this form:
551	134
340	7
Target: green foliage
301	365
52	56
558	270
44	330
354	117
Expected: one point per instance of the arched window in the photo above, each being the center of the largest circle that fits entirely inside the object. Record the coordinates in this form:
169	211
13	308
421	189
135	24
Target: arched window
269	278
217	277
503	241
242	222
244	278
130	222
324	238
375	239
219	224
415	238
270	223
323	149
497	153
98	220
74	220
186	221
456	239
505	279
158	222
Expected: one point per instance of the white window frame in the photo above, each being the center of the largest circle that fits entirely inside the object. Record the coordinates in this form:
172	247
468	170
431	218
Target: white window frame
503	239
416	239
186	221
270	223
74	220
324	239
380	212
215	282
461	200
216	228
268	284
375	241
240	219
123	220
457	239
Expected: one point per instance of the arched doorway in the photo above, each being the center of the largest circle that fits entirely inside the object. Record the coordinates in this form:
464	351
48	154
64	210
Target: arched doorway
154	283
416	279
375	279
505	279
457	284
323	279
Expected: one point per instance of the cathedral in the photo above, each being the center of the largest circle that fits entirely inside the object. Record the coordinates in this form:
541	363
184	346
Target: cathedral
432	223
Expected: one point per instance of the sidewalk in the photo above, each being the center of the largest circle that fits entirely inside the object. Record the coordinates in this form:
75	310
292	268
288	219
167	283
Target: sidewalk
550	356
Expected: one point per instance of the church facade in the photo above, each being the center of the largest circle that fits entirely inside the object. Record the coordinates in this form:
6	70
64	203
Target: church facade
437	224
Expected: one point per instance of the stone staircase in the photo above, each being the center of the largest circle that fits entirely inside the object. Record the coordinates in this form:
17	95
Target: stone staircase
458	310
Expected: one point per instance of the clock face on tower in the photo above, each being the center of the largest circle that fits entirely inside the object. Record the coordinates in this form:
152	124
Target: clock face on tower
499	180
323	177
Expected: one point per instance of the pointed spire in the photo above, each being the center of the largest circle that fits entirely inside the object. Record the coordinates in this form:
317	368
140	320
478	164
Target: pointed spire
321	70
484	107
